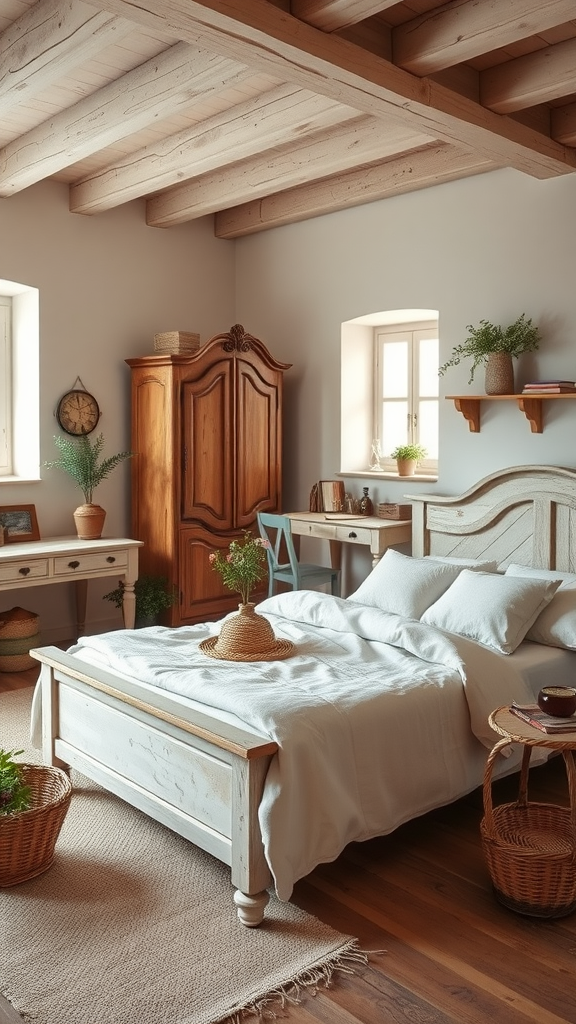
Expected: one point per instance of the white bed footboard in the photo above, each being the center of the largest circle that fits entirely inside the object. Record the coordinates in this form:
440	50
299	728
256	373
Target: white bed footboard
201	777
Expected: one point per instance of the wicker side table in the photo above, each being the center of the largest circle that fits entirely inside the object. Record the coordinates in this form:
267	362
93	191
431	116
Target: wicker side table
530	848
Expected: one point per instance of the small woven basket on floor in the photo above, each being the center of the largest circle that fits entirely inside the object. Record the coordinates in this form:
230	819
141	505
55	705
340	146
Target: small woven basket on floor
530	849
28	838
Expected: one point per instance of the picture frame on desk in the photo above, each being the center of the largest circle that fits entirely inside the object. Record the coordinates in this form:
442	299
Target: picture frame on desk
332	495
19	523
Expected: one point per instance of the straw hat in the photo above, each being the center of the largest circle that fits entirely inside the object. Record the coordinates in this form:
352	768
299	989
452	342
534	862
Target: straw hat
246	636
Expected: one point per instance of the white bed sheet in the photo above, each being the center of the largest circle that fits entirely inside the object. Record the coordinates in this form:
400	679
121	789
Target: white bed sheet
378	719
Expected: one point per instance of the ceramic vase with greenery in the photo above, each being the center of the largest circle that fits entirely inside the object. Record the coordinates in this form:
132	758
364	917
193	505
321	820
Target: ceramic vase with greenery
80	457
153	596
407	458
495	347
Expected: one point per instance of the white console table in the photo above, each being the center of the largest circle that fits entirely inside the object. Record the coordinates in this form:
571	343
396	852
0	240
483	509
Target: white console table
33	563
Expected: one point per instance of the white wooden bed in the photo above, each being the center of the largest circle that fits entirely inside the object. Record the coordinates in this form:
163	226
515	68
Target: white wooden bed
204	778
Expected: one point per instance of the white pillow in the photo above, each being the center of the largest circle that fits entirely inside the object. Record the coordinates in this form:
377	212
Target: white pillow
404	585
495	610
478	564
556	624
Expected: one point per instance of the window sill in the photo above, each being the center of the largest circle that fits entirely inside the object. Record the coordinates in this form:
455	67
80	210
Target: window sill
370	475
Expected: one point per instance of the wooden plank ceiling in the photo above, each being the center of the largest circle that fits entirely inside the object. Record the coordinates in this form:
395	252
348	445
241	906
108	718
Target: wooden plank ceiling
264	112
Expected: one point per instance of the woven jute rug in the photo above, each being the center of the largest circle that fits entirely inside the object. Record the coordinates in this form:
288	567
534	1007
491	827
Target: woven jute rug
133	924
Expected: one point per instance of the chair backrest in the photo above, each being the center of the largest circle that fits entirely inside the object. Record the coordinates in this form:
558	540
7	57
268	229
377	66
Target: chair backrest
276	529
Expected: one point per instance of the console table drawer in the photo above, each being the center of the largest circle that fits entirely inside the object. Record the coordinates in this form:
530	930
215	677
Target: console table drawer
69	565
19	572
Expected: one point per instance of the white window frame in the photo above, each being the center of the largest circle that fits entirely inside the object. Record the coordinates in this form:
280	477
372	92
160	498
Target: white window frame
410	334
23	384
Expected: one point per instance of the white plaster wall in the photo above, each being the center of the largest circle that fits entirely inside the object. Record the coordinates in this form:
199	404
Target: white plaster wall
107	285
489	247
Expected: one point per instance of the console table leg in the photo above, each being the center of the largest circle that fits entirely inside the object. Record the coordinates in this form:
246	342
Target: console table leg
129	605
81	589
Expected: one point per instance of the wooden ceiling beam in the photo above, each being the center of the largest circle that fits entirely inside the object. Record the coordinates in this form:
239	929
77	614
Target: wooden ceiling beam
331	15
432	165
256	33
460	31
538	77
158	88
337	149
563	124
49	41
283	115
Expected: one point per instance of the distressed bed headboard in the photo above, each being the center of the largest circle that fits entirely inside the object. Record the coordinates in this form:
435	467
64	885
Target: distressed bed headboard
525	514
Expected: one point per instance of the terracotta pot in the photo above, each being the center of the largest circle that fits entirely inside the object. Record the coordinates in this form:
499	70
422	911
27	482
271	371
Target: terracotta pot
499	375
406	467
89	520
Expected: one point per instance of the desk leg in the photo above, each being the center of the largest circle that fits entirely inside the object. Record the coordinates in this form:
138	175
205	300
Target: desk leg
335	554
81	589
129	604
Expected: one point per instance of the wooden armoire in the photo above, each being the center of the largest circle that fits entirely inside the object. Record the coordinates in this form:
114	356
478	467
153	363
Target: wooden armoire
207	433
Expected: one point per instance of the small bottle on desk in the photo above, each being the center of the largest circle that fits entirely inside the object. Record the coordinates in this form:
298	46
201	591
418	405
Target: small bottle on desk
366	506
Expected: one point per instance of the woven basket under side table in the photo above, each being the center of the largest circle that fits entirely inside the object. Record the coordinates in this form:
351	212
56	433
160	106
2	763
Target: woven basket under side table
27	839
530	848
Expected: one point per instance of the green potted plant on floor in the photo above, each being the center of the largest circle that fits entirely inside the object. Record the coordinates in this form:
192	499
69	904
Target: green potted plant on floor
153	596
15	794
407	458
495	346
80	457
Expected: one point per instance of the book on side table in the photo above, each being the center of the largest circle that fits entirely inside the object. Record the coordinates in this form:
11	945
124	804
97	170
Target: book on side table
532	714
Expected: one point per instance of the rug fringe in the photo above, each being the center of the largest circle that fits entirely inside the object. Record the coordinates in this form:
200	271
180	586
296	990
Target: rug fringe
345	960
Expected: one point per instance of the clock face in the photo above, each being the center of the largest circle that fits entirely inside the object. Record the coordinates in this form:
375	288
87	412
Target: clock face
78	412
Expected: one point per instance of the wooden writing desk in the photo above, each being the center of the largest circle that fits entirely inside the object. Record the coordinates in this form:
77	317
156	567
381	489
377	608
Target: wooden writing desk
377	534
32	563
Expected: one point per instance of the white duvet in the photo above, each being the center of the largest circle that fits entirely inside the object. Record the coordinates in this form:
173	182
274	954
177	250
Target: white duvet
378	718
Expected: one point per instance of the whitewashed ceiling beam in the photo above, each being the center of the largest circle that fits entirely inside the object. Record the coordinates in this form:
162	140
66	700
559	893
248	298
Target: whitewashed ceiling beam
431	165
282	115
258	34
534	78
459	31
49	41
360	141
330	15
158	88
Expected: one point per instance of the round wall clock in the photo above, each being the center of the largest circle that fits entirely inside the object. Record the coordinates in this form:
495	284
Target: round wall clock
78	412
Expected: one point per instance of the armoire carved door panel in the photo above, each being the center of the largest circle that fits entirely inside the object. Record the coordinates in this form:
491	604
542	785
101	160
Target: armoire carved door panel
257	442
208	478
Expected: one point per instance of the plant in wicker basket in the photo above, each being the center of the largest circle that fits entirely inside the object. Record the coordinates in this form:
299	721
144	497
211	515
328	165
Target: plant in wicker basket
488	342
15	795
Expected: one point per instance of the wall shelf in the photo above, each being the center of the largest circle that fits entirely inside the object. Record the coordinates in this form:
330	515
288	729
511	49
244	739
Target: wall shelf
530	405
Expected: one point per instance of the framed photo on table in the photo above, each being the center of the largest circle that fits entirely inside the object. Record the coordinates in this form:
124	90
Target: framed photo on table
19	523
332	495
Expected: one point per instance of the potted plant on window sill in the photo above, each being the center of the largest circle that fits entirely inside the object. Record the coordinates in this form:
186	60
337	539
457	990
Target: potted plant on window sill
495	346
407	458
153	596
81	459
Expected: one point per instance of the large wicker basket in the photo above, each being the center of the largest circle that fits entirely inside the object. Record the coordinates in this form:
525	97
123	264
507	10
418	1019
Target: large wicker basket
27	839
530	848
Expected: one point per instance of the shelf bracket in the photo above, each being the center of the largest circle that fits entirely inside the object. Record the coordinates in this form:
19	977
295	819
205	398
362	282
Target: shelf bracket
470	410
532	409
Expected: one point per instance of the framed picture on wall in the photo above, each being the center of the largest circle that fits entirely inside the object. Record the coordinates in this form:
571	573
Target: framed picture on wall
19	523
332	495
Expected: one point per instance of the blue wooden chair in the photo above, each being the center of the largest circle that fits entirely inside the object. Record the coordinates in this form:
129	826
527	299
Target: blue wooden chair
298	575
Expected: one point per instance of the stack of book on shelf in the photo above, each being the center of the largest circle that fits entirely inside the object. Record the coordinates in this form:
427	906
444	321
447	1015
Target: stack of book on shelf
549	387
532	714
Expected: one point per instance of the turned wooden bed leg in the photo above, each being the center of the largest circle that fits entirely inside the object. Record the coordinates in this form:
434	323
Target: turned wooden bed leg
251	908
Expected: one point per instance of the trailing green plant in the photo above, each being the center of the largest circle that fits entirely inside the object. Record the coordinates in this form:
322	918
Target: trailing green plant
15	795
80	457
412	452
245	564
153	596
482	341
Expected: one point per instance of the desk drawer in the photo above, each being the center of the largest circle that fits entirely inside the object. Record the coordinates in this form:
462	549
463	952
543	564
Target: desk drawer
353	534
19	572
70	565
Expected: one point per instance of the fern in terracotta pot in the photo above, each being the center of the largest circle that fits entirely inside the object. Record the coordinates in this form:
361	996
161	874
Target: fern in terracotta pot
407	458
496	347
80	457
